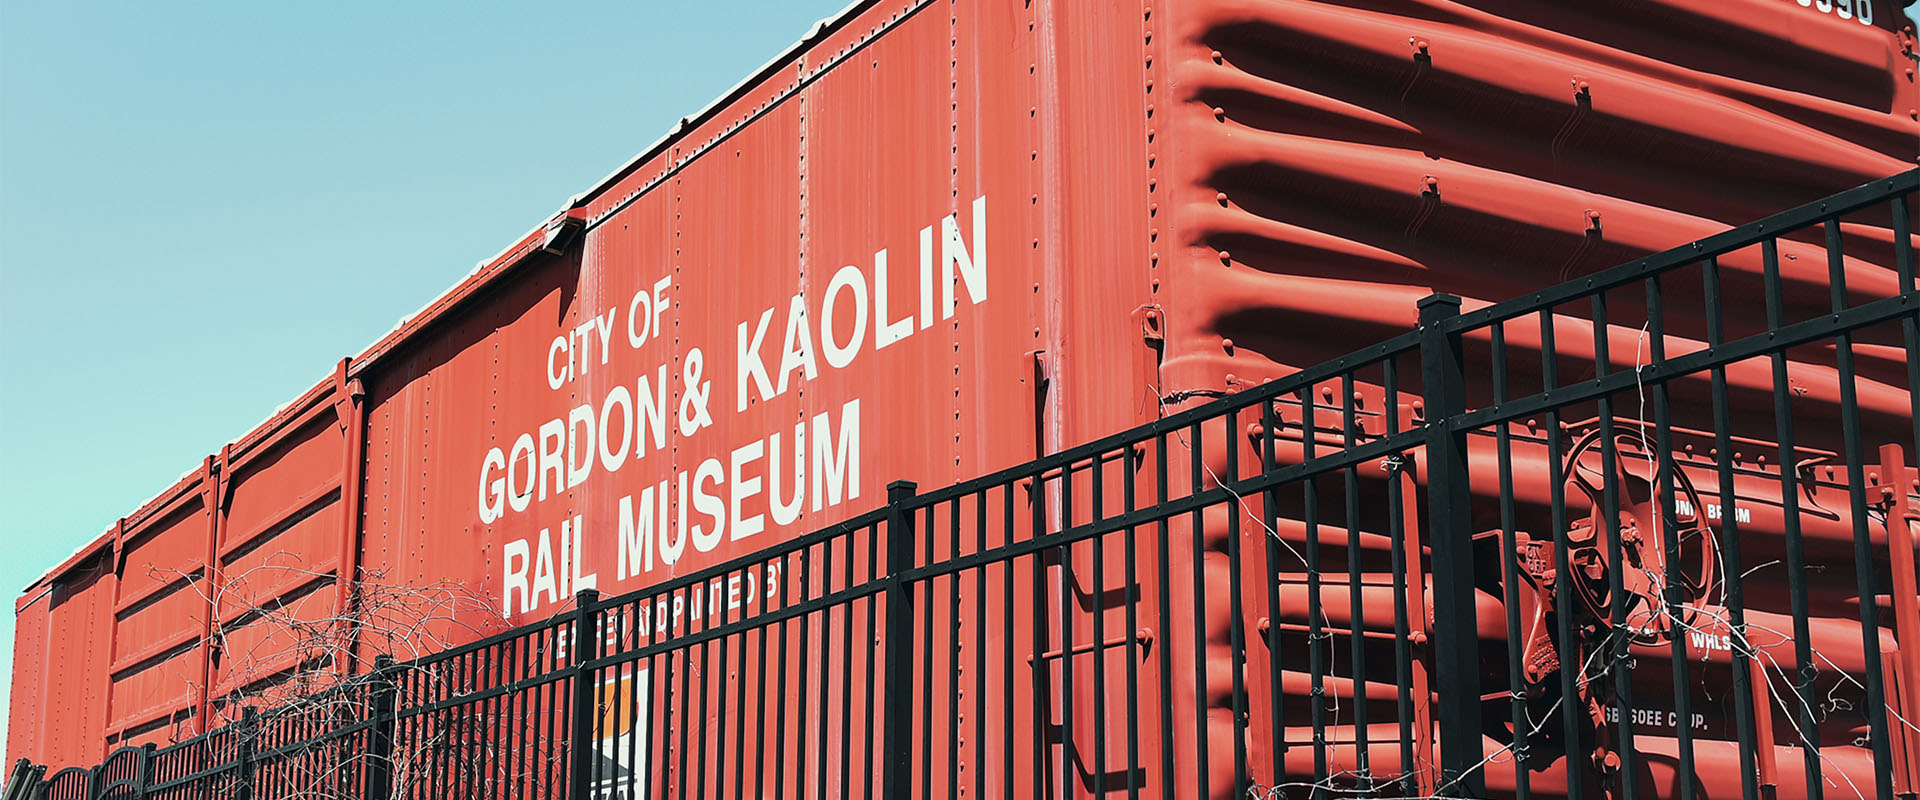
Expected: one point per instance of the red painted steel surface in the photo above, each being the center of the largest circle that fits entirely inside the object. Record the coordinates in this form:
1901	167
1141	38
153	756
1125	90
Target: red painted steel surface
1129	209
1326	166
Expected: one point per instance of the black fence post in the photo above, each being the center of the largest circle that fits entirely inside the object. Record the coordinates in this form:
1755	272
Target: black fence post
145	775
581	750
1456	638
379	780
897	739
21	781
243	754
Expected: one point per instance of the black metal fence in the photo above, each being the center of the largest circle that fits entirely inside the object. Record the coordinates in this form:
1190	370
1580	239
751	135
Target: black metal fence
1646	533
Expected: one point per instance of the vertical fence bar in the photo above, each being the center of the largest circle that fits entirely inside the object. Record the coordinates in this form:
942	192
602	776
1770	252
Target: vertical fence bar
243	754
1665	469
980	639
1128	464
580	750
1744	656
1236	637
1316	653
519	654
926	656
1007	734
1196	525
1356	605
1510	575
874	742
1456	630
760	690
1863	551
1163	574
463	669
1619	636
805	659
1063	557
951	602
720	698
379	767
799	685
1037	580
684	697
846	676
1805	724
1400	566
1572	671
895	738
1097	607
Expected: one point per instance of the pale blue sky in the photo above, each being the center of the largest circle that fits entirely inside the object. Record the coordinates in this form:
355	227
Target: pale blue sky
204	205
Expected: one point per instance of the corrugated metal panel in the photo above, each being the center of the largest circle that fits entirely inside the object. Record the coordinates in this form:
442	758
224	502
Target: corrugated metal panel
277	608
163	590
1330	164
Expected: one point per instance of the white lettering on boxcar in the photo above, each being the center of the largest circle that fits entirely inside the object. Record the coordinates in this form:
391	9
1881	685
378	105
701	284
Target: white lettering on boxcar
1861	10
727	491
1656	718
961	265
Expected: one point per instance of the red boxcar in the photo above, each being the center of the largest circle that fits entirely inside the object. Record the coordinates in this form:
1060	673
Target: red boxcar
939	238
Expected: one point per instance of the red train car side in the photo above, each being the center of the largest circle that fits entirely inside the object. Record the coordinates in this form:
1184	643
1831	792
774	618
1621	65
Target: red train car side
938	238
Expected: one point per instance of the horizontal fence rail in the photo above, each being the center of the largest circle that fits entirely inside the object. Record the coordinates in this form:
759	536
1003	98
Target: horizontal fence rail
1606	539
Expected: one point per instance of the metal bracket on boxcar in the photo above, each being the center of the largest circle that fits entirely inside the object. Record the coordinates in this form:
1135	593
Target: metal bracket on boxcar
1142	637
1152	324
1370	423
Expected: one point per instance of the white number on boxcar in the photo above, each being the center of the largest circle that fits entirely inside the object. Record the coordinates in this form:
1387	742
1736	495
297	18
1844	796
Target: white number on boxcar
1845	9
